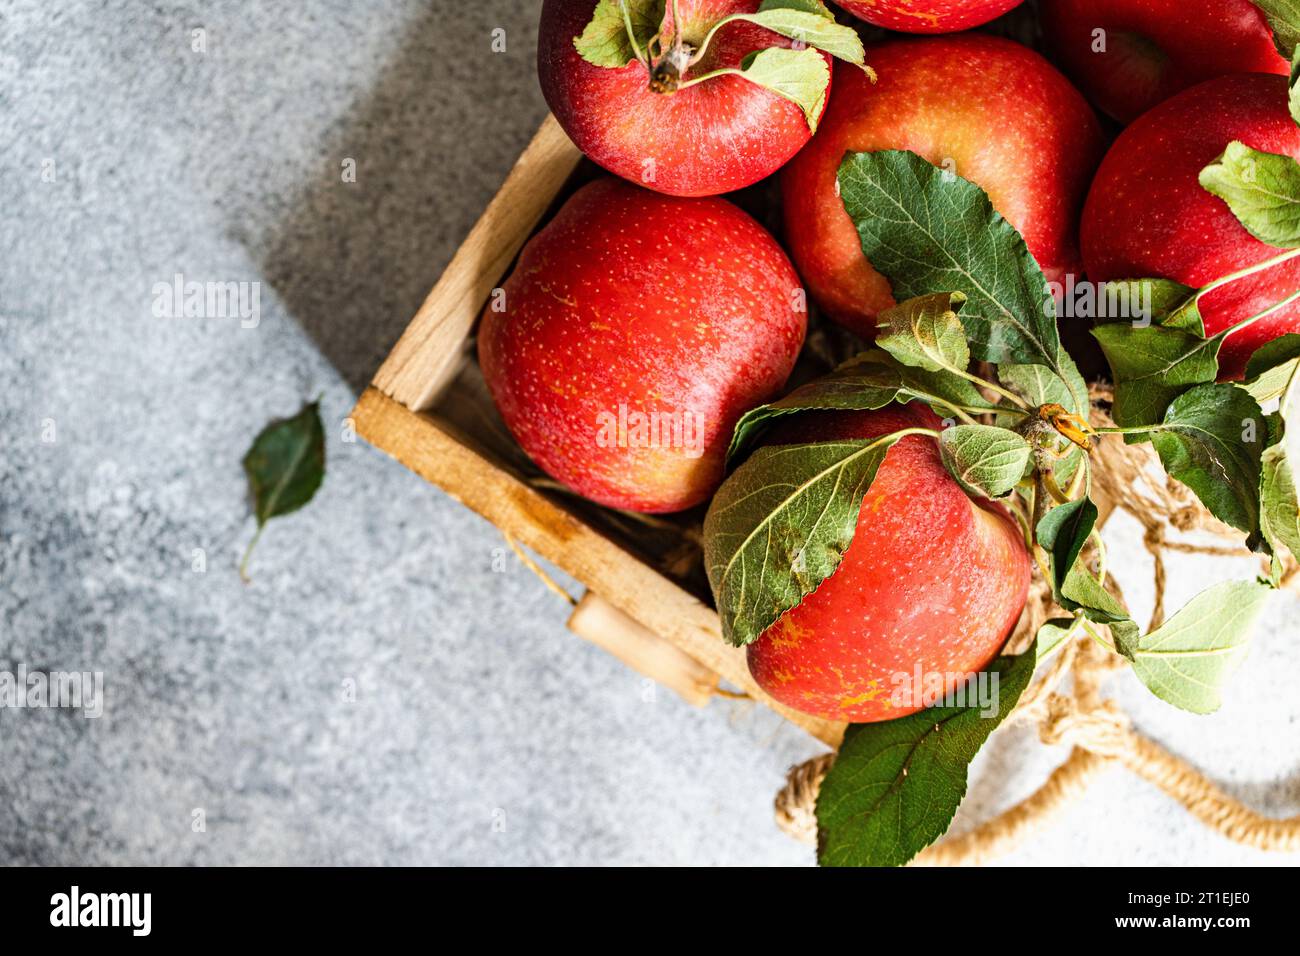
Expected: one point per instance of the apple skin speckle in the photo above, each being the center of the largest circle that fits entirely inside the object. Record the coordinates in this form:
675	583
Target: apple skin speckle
1155	48
632	300
928	16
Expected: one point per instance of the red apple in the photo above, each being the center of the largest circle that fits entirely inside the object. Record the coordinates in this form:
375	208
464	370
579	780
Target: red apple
928	16
988	109
1148	217
1129	55
634	331
722	134
932	581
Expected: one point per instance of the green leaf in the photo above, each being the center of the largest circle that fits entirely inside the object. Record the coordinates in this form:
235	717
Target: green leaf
871	380
1083	594
285	466
800	76
1262	190
1293	91
1271	367
859	385
985	460
895	786
928	231
780	524
925	332
1191	657
605	41
1051	634
1155	302
1152	366
1279	512
1211	440
1284	18
1063	532
1037	384
810	22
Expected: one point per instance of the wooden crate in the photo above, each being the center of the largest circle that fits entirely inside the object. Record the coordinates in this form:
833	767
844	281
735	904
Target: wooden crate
427	406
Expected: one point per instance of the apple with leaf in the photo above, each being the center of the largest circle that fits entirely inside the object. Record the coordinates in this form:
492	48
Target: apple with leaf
981	107
973	343
1197	192
881	524
691	97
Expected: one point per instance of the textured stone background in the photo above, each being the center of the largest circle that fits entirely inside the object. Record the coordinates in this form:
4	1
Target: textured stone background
475	707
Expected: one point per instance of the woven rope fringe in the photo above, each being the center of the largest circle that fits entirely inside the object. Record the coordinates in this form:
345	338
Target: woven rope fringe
1099	732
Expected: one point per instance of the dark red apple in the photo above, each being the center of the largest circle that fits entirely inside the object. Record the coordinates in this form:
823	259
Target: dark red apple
932	582
722	134
1129	55
928	16
634	331
986	108
1148	217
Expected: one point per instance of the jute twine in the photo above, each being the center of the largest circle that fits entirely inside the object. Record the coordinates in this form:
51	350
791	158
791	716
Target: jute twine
1100	734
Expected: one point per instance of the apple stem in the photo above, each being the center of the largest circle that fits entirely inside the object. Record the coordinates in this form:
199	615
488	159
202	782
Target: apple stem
1053	489
1238	326
1248	271
708	37
991	386
631	34
1136	430
1077	483
248	554
1095	636
667	71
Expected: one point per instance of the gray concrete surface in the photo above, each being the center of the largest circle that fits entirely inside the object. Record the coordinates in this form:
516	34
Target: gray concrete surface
481	731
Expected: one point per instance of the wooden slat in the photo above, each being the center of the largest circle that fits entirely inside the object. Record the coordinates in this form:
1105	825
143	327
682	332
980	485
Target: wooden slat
638	590
598	621
432	346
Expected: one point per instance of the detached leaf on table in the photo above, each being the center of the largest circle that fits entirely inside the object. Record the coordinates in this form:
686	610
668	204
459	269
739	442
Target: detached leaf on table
285	466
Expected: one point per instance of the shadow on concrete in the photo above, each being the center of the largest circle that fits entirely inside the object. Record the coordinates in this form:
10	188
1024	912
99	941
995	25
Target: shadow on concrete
431	143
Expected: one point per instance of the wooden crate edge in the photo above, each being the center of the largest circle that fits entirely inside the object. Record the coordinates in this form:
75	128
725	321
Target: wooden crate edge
626	583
